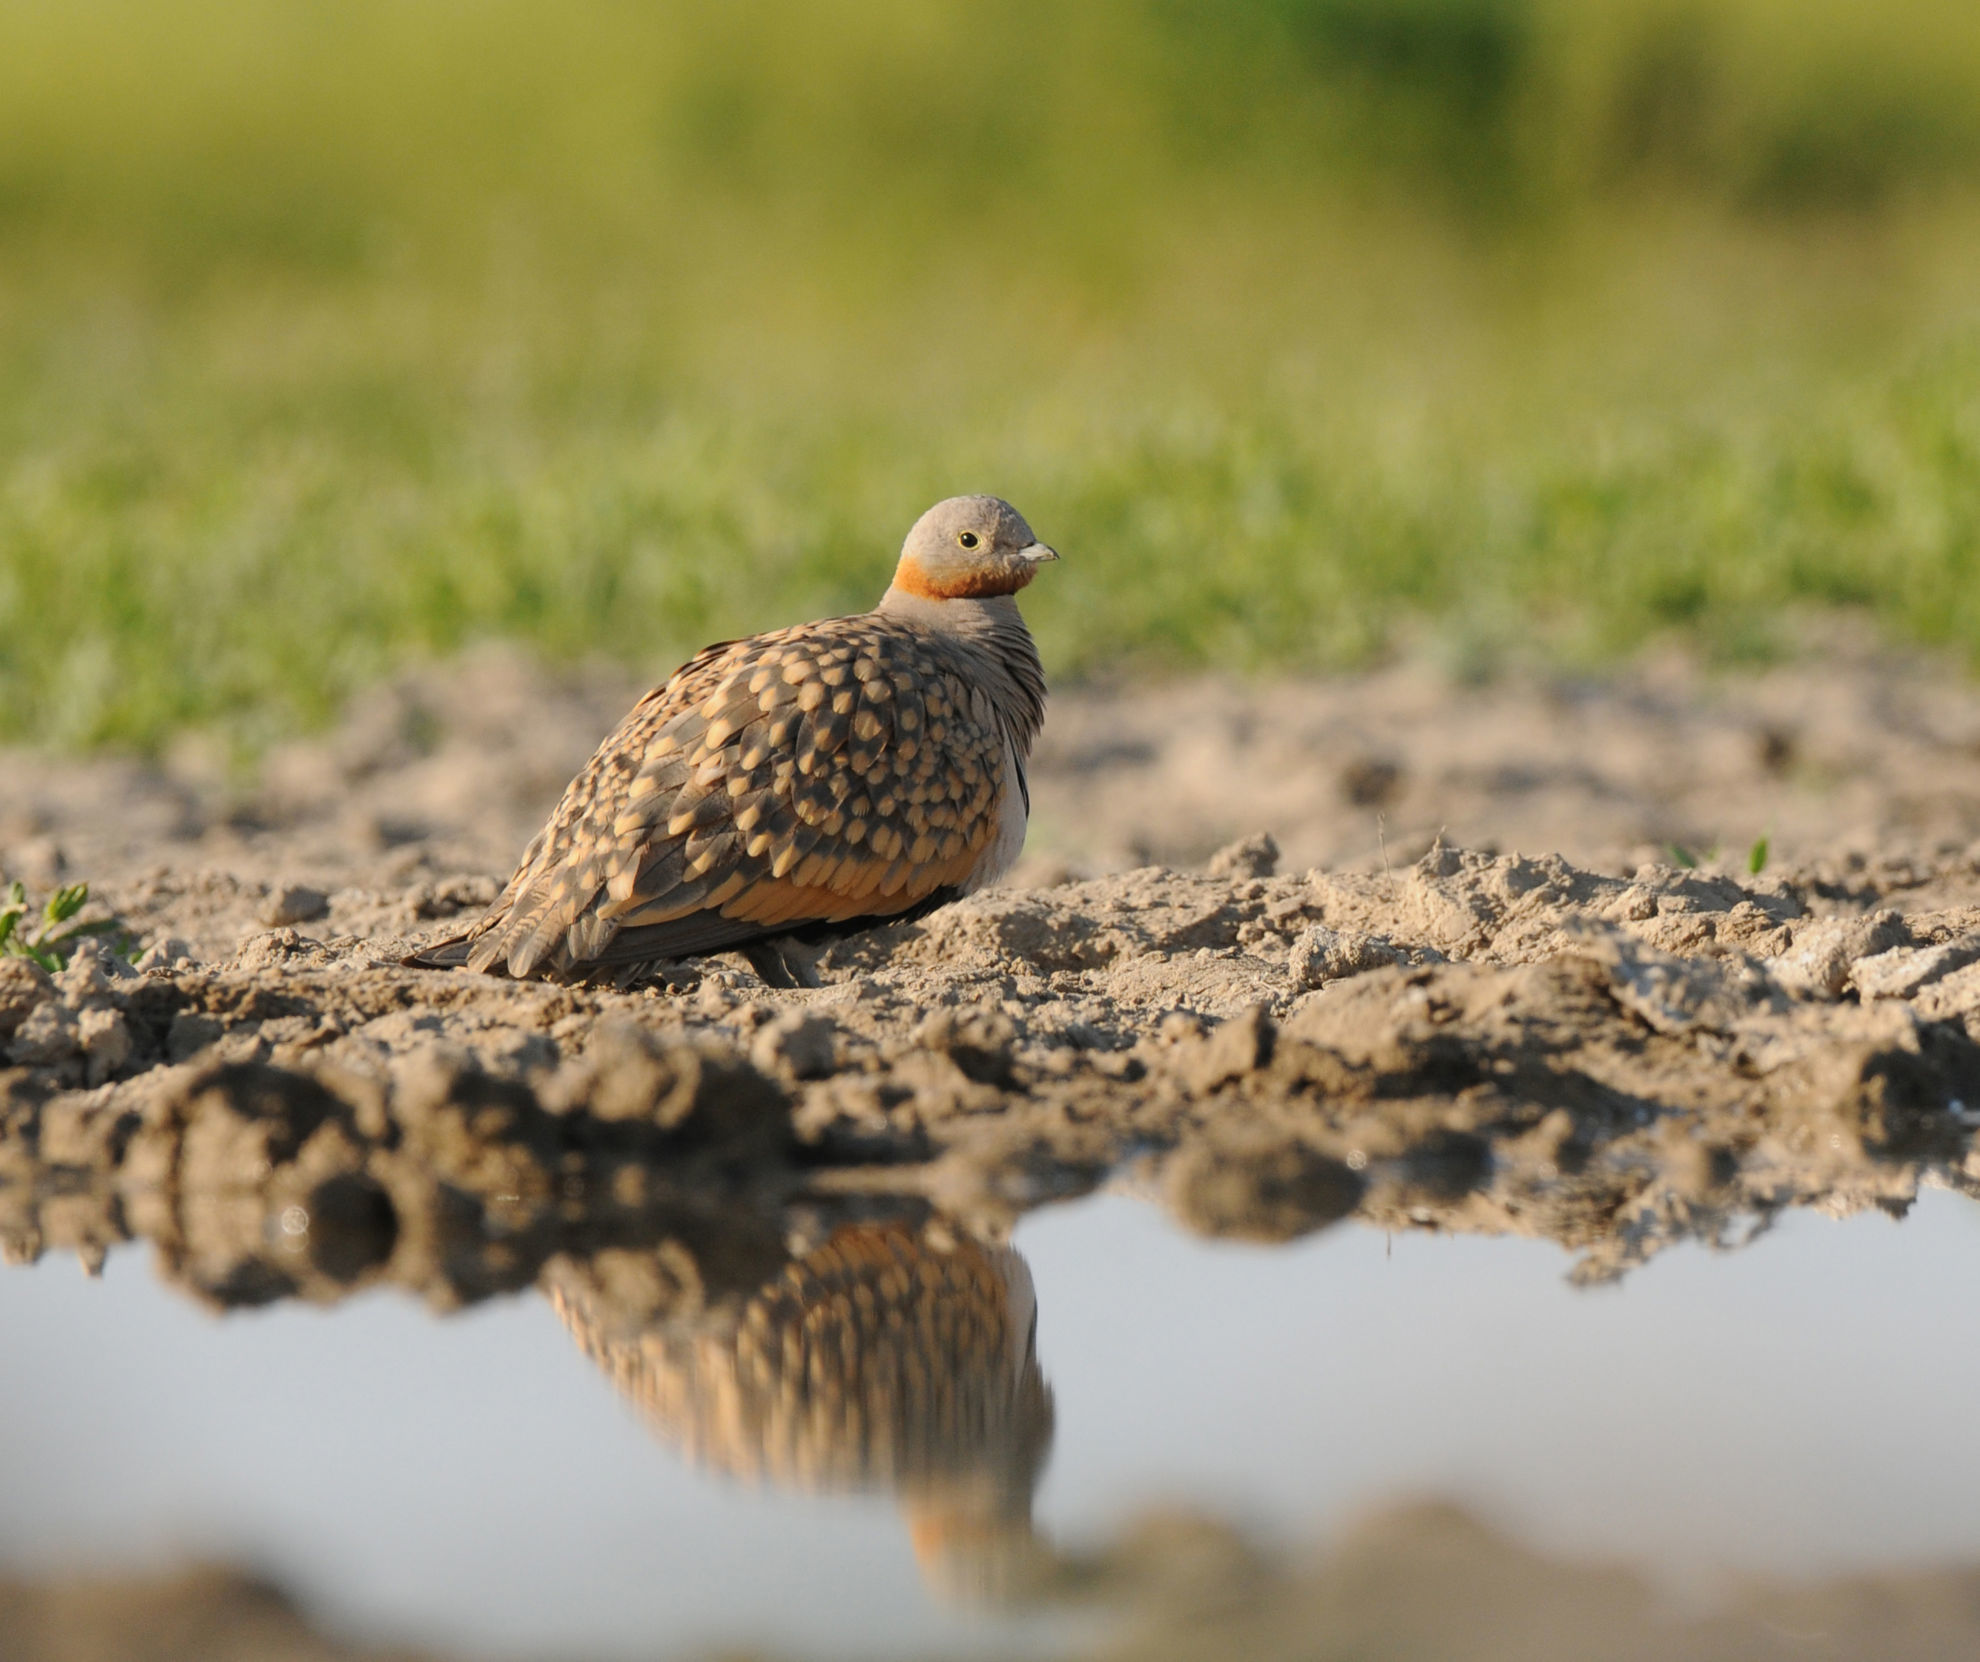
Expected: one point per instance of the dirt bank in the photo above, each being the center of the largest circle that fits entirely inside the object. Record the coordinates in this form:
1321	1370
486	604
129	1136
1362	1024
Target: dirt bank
1608	1054
1615	1058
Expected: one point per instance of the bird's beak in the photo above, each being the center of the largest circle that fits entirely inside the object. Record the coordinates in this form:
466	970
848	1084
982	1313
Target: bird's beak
1037	554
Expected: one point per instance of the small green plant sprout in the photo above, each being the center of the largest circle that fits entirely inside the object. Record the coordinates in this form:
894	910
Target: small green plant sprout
1683	857
1756	858
58	931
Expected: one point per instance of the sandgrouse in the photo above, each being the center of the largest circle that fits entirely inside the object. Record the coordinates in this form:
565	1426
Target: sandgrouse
820	777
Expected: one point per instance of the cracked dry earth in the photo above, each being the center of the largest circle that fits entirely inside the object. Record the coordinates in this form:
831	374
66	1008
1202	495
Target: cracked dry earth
1612	1052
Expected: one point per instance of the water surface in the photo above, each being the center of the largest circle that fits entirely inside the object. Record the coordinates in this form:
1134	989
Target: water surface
474	1483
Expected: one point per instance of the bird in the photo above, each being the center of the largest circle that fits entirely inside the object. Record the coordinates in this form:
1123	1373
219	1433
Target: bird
814	780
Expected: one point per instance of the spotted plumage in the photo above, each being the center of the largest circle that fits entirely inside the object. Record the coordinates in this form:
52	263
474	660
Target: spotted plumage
824	775
891	1357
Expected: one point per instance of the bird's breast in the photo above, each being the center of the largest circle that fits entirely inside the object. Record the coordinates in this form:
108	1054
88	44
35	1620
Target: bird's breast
1008	842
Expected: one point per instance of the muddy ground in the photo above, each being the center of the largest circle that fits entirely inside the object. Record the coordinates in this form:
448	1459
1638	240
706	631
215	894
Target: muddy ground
1586	1042
1272	960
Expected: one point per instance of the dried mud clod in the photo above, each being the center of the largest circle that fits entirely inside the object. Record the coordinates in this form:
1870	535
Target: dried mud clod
258	1182
1469	1042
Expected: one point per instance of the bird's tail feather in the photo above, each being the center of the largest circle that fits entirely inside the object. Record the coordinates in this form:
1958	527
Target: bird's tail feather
441	955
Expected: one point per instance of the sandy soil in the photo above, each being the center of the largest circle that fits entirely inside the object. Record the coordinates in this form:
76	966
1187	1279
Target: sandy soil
1613	1054
452	770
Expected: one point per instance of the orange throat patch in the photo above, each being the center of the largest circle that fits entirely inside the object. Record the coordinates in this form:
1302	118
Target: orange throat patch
909	578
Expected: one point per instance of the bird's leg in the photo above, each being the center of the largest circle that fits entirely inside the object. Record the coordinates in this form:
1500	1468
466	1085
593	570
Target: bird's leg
782	962
801	960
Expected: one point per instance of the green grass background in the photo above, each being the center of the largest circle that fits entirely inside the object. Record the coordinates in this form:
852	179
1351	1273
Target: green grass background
335	333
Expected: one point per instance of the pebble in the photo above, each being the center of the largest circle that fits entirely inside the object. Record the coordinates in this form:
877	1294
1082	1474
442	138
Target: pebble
167	952
294	903
1321	955
796	1043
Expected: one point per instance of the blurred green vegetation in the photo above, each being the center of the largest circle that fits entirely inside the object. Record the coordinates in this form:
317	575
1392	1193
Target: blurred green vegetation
334	332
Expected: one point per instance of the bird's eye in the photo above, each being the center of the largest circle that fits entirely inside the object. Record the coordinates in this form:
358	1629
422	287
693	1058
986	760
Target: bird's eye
968	539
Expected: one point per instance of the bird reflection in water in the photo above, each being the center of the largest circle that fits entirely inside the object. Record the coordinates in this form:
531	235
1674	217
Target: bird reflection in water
894	1357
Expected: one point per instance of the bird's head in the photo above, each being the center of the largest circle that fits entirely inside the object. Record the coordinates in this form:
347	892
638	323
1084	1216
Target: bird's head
969	548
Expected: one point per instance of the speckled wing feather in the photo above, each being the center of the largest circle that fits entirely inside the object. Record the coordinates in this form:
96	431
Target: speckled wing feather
834	771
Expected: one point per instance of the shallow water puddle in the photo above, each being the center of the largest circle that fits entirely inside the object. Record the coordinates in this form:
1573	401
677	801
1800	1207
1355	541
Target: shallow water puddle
476	1484
1800	1406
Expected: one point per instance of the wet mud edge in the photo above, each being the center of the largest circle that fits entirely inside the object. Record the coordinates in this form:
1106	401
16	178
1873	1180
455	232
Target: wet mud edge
1472	1042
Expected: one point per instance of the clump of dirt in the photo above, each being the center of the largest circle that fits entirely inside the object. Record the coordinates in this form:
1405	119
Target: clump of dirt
258	1181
